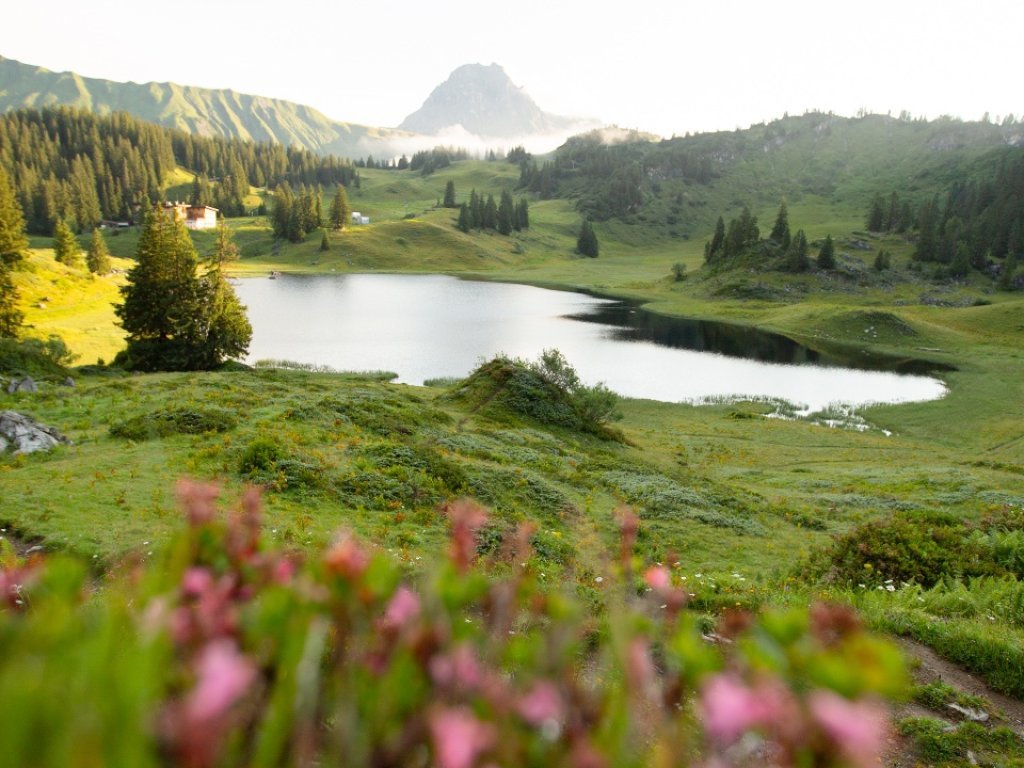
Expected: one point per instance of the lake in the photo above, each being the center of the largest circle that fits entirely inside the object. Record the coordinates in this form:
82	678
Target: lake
431	326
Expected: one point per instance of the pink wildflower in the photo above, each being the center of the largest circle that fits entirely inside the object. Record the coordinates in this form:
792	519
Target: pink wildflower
196	581
458	669
658	578
224	675
403	608
459	738
542	704
858	728
729	707
198	499
640	672
467	517
346	557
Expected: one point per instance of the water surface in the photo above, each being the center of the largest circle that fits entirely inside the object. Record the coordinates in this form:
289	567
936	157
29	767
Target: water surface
429	326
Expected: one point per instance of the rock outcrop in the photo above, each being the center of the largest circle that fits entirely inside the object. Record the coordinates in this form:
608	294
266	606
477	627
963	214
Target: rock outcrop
26	435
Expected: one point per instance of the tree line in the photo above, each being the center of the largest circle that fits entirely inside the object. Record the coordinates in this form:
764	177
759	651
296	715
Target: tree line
782	249
978	226
71	165
484	213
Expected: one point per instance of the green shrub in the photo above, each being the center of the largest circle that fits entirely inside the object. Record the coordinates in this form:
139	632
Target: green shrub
179	421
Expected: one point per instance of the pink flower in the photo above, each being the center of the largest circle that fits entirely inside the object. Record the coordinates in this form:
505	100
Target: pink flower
346	557
658	578
729	707
224	675
459	738
467	517
198	499
196	581
542	704
858	728
403	608
640	672
459	669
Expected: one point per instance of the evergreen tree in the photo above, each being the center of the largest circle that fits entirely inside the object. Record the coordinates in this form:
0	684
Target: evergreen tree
340	210
780	231
876	214
13	242
199	193
489	214
883	261
961	264
163	298
522	214
1007	279
65	245
797	258
714	248
506	212
224	250
827	254
12	249
449	194
325	242
224	331
98	256
463	223
586	243
927	239
475	210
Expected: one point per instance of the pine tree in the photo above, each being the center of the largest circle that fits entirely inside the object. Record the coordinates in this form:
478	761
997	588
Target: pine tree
927	240
98	256
586	243
489	214
797	259
12	249
522	214
827	254
163	298
224	331
961	263
876	214
325	242
883	261
340	210
714	248
224	249
463	223
506	212
780	231
65	246
449	194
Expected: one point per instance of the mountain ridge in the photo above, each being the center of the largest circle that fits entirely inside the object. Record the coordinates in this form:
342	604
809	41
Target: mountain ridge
204	111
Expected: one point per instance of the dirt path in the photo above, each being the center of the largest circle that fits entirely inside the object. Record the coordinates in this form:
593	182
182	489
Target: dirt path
930	668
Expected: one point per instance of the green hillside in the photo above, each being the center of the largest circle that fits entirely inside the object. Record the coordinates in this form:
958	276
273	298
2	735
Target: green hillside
201	111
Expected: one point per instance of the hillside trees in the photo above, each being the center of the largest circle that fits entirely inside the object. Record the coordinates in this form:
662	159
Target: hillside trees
12	248
295	214
481	213
74	165
65	246
827	254
340	209
97	258
449	194
586	242
177	319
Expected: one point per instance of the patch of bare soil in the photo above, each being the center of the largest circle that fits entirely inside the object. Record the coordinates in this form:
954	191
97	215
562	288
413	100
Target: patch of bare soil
928	667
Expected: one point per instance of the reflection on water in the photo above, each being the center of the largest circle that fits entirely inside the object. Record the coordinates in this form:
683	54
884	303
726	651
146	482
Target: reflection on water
427	326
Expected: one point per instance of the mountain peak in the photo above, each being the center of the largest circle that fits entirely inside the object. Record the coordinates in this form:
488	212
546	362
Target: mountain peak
483	100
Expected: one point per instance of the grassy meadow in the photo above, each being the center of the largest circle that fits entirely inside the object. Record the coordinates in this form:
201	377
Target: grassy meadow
741	506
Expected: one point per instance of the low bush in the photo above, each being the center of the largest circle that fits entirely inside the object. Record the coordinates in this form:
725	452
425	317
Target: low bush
178	421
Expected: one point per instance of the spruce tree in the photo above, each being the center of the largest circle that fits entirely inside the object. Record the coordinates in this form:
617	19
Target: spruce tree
224	250
714	248
780	231
449	194
325	242
163	298
827	254
506	212
586	243
797	259
522	214
65	245
12	249
225	331
463	223
340	210
883	261
98	256
489	214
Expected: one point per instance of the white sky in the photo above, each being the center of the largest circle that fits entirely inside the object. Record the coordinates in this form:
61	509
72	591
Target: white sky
661	66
